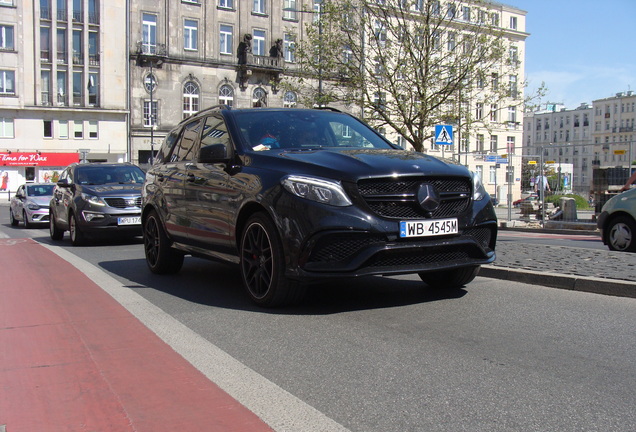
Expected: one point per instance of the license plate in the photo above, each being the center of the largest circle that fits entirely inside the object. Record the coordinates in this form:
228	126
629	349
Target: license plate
129	220
428	228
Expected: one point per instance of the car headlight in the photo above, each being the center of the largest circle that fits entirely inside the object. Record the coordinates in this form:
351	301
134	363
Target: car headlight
92	199
33	206
317	189
479	191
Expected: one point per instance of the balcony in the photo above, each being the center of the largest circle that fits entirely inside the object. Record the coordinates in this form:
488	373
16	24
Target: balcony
146	48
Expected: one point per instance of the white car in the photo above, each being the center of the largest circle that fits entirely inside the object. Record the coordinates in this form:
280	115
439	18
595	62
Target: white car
30	204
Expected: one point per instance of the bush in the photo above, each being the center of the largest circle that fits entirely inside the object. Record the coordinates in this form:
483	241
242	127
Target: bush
581	203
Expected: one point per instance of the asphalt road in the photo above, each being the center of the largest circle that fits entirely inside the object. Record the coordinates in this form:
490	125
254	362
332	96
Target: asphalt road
385	354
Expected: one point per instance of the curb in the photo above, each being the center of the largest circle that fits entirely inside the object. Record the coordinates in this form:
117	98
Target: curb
594	285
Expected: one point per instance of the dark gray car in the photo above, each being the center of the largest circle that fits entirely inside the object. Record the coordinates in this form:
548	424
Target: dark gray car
97	199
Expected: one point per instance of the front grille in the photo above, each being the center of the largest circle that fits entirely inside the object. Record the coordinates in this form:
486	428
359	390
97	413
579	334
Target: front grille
483	236
122	203
398	259
397	199
338	249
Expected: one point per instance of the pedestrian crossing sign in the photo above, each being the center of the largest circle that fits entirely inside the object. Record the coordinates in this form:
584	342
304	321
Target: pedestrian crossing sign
443	135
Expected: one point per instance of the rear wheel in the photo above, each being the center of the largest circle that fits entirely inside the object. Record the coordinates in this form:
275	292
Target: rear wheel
14	221
54	231
450	278
263	264
160	257
77	236
621	233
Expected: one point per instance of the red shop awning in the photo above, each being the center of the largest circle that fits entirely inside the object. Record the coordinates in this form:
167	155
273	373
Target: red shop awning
38	159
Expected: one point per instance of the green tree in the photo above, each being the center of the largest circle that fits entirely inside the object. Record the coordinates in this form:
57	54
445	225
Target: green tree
410	66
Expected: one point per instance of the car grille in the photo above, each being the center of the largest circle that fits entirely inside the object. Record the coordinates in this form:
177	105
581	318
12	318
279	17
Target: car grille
397	198
122	203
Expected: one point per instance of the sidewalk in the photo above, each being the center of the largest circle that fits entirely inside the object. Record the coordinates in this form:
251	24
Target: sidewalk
74	359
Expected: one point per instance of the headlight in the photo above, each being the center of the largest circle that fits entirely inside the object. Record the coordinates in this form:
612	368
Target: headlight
317	189
92	199
479	192
33	206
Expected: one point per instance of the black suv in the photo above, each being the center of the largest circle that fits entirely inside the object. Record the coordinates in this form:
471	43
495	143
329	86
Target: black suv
97	199
300	195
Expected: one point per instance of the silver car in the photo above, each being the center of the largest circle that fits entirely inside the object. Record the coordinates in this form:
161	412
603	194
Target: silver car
30	204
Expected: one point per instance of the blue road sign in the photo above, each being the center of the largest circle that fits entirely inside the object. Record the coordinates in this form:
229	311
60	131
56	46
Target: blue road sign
443	135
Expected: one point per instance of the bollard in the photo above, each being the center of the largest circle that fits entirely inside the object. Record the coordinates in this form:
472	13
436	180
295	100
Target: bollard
568	206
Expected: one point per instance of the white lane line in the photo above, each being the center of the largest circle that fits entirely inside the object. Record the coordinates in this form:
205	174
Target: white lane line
281	410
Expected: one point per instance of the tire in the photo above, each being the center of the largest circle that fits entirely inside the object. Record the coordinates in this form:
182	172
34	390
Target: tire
14	221
54	231
449	279
621	232
262	265
27	224
160	257
77	236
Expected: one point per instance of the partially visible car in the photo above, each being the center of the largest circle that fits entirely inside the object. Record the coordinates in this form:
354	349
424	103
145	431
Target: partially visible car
617	222
97	199
30	204
530	198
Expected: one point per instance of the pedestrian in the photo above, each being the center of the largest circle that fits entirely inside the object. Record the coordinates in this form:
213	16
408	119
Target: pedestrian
5	181
542	184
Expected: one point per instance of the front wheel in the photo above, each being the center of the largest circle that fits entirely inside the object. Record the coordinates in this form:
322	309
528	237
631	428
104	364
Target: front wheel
55	232
77	236
160	257
620	234
450	278
263	264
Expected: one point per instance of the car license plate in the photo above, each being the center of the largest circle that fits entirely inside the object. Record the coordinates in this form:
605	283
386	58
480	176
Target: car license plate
129	220
428	228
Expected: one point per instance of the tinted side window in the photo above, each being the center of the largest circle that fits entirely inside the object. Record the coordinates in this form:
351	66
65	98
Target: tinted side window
185	147
167	146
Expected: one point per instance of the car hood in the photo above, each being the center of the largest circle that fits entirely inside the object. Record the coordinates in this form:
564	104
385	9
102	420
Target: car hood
624	201
112	189
41	200
356	164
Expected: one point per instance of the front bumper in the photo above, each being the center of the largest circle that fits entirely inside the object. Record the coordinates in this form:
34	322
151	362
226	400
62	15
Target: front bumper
38	216
102	223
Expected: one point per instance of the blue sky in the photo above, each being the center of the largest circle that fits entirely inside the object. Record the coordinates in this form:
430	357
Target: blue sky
582	49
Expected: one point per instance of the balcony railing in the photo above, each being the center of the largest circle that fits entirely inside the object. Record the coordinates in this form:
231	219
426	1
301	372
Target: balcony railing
93	59
45	55
78	59
77	16
62	100
46	98
151	49
62	58
62	15
45	13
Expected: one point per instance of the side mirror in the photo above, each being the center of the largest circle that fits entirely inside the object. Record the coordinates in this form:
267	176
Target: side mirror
213	153
62	183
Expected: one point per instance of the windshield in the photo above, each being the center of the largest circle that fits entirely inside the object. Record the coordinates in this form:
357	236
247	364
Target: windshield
99	175
305	130
40	190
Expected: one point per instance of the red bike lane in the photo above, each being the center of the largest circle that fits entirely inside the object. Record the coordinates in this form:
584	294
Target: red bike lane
73	359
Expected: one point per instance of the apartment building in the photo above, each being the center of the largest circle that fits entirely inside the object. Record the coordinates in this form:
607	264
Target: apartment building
63	80
613	132
562	137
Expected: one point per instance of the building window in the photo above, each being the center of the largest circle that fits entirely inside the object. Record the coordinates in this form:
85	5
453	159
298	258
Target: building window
190	99
259	98
78	130
493	143
190	35
288	48
290	99
93	14
62	57
63	129
226	95
6	37
92	129
45	44
45	91
258	43
78	89
494	109
289	10
513	23
150	118
226	4
149	34
512	86
48	129
93	46
514	54
93	89
479	170
492	174
7	82
479	110
62	88
77	10
259	6
480	143
452	43
78	54
510	145
512	114
226	39
466	13
150	83
6	127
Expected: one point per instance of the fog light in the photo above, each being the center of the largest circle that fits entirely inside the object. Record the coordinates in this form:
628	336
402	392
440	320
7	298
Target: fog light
91	216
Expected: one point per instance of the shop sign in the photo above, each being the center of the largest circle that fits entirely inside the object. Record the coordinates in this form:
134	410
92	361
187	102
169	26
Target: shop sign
38	159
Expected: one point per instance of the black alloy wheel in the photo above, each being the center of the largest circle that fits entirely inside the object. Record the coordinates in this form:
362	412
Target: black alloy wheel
160	257
263	264
54	231
449	279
